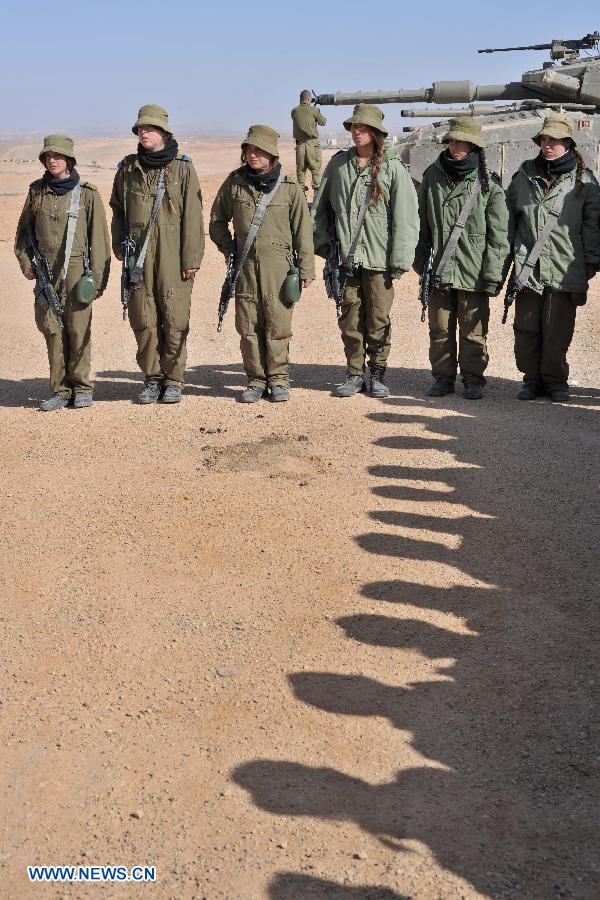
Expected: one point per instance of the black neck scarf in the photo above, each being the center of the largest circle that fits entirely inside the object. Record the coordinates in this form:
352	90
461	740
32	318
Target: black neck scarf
554	168
160	158
262	181
61	186
456	169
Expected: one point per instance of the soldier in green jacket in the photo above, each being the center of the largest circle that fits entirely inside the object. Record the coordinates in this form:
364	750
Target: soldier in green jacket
386	242
308	149
477	267
159	306
545	311
47	210
263	317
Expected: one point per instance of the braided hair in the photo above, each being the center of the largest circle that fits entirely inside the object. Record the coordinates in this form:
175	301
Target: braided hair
484	172
376	160
580	169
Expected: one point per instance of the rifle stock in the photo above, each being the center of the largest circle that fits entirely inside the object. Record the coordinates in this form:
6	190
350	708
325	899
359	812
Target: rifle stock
426	281
227	291
128	248
44	291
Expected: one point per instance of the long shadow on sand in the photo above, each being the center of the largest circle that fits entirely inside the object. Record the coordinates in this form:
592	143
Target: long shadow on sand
511	799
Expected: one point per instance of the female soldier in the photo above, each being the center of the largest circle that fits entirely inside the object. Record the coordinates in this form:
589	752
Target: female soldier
263	318
545	310
47	209
475	269
385	244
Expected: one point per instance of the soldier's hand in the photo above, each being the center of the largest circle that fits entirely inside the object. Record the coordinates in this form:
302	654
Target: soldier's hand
99	294
29	275
306	282
187	273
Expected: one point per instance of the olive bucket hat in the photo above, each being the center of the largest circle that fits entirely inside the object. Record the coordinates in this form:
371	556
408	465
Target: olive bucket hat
555	126
366	114
465	128
151	114
58	143
264	138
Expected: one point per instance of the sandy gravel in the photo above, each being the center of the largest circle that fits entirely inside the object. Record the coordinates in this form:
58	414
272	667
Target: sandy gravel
326	649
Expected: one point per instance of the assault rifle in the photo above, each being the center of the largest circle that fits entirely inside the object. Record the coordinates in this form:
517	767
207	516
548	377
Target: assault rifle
425	280
513	289
334	275
227	290
43	291
127	249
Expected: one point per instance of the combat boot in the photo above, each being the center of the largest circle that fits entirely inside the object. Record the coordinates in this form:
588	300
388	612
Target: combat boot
81	400
57	401
151	392
473	392
529	391
252	395
441	387
280	393
354	384
378	386
559	395
171	394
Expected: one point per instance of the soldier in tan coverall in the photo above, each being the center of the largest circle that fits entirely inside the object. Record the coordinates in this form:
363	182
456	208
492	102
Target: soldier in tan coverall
159	307
262	317
308	149
47	209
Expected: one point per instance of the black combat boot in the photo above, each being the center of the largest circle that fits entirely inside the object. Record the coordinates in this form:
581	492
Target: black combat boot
441	387
378	386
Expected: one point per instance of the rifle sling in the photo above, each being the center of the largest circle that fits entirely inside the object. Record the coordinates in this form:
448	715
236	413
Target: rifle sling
349	261
71	226
255	224
457	229
158	199
528	266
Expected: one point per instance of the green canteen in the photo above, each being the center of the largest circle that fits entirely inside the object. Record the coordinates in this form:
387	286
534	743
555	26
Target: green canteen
291	286
86	289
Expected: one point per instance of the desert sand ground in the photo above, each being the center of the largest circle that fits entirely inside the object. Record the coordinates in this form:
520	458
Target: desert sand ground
325	649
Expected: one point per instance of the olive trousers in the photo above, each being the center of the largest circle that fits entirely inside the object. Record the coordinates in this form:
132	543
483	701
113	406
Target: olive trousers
264	325
70	348
544	326
161	322
308	157
469	310
365	320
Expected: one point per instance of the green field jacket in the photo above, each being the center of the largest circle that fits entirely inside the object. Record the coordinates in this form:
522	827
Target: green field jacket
391	227
482	256
573	246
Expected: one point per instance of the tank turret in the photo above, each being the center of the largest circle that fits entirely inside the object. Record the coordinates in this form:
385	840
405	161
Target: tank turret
567	83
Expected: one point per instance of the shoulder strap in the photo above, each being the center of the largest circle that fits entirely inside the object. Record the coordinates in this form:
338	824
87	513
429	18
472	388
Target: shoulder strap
534	254
257	218
457	229
349	261
160	193
71	225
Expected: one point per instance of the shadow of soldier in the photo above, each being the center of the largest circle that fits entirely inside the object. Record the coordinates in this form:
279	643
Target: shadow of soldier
289	886
502	601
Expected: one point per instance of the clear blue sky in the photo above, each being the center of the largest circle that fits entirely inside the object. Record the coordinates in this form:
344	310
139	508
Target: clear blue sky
222	65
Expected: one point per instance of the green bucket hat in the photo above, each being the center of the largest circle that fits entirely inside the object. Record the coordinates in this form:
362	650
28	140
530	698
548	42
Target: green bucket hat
555	126
151	114
264	138
366	114
58	143
465	128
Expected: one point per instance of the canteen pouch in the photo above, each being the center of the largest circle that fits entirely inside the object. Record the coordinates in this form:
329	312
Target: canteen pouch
292	289
86	288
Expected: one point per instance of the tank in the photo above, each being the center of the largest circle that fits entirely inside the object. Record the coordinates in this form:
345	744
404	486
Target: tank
510	113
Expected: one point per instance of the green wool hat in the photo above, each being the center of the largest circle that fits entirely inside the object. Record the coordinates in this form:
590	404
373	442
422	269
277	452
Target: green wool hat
58	143
366	114
555	126
264	138
151	114
465	128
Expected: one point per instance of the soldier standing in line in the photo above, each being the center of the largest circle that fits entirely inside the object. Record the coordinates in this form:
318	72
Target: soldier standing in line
308	149
263	313
570	256
69	224
470	258
159	307
370	181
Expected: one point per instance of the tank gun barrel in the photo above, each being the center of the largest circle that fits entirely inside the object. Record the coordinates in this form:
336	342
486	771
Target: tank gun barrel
508	49
440	92
559	49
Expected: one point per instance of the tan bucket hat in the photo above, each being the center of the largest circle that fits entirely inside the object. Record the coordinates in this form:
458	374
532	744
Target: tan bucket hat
58	143
151	114
555	126
264	138
366	114
465	128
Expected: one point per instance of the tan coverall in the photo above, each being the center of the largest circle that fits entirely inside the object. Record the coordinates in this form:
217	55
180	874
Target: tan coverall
308	149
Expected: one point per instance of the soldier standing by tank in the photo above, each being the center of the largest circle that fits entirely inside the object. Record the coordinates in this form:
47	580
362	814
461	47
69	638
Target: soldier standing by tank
48	208
306	118
159	307
385	246
475	269
545	310
263	318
